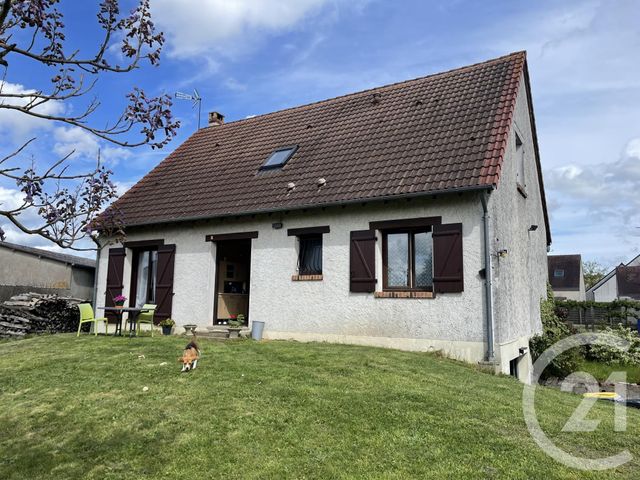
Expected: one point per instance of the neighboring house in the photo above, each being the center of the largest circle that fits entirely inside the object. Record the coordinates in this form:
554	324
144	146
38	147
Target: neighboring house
26	269
566	277
623	282
360	219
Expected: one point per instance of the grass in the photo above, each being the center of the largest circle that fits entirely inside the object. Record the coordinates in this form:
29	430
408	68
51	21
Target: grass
601	371
75	408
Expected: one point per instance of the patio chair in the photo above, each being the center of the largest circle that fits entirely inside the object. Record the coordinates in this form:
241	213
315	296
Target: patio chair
87	316
146	317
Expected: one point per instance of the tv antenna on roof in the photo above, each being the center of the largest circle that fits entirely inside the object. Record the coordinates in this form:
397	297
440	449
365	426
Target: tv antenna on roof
195	98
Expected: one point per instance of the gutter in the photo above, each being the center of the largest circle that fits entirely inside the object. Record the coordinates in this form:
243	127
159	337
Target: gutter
474	188
488	286
95	279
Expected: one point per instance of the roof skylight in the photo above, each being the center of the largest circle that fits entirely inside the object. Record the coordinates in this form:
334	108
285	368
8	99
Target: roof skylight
279	157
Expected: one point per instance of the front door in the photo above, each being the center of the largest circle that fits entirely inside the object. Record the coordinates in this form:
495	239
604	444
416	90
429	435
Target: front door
233	267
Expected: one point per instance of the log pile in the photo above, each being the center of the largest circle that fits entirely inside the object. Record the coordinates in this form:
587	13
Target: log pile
33	313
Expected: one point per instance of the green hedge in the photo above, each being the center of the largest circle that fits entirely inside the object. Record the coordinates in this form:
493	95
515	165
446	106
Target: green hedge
554	330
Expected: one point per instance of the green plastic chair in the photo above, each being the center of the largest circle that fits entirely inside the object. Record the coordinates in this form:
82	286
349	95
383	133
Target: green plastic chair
86	316
146	317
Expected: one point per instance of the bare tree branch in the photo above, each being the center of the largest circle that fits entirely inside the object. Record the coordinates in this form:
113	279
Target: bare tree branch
71	205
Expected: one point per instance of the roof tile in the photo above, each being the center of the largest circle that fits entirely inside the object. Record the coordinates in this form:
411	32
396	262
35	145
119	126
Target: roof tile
431	134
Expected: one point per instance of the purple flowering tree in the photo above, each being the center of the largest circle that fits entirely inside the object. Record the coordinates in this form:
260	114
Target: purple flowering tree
68	205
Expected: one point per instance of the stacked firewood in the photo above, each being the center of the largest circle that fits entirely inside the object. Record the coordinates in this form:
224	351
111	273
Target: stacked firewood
33	313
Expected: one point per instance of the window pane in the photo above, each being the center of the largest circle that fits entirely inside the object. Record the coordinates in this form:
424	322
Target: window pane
423	256
397	260
279	157
142	286
153	259
146	281
310	259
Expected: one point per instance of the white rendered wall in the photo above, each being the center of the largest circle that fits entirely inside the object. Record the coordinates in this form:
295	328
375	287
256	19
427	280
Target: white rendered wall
608	291
327	309
520	277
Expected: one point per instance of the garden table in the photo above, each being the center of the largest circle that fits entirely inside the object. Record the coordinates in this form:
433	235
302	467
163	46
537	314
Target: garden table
133	316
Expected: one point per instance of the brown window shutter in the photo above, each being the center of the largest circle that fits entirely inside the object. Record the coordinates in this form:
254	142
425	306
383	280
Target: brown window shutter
448	275
164	282
115	270
363	261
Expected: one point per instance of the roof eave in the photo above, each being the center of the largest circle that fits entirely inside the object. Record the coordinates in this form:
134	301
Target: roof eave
536	149
474	188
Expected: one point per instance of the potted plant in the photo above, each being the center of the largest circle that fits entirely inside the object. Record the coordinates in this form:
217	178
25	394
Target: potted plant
119	301
167	325
235	325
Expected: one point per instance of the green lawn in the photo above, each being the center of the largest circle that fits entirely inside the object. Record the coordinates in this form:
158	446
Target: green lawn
75	408
601	371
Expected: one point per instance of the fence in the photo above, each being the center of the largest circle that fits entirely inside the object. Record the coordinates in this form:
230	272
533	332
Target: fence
598	316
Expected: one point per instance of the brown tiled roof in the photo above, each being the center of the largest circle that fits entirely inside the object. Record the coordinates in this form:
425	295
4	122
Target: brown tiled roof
628	281
433	134
570	265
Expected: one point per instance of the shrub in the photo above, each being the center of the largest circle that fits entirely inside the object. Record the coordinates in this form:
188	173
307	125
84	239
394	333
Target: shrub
236	320
613	355
167	322
554	330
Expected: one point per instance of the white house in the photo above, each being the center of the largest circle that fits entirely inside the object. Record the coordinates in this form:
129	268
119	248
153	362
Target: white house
566	277
410	216
623	282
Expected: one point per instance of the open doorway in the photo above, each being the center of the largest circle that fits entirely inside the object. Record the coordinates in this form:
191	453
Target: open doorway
233	267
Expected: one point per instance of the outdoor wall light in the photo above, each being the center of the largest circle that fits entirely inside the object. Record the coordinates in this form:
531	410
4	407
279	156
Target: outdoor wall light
502	253
276	226
533	228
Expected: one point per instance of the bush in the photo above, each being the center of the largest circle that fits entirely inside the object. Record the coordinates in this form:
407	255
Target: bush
612	355
554	330
167	322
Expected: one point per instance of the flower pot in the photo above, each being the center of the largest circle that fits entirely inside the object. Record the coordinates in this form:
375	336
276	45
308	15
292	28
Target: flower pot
166	329
234	332
119	305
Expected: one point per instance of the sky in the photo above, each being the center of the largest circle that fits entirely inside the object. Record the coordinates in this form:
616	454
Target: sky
248	57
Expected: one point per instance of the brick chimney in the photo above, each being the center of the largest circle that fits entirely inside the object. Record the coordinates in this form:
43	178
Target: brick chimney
215	118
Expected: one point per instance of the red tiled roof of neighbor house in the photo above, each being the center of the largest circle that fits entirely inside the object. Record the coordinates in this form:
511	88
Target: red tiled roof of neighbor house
570	266
440	133
628	281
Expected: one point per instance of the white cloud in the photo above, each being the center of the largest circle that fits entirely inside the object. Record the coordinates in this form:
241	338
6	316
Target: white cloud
198	27
596	208
18	123
234	85
76	140
633	148
87	146
122	187
577	47
12	198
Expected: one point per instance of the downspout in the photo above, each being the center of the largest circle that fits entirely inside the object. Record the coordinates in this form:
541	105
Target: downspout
95	278
488	286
